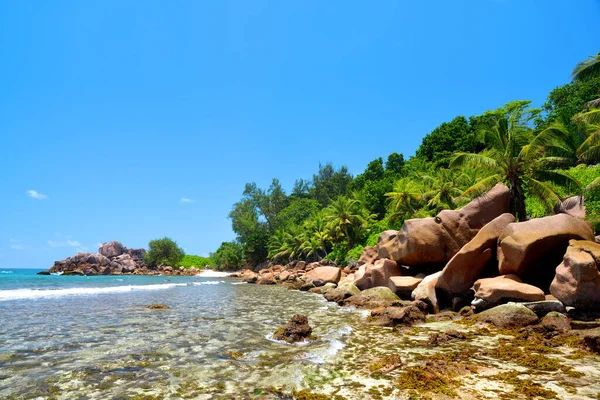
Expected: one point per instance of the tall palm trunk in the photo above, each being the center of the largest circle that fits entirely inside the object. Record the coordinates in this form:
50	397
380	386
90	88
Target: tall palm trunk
517	199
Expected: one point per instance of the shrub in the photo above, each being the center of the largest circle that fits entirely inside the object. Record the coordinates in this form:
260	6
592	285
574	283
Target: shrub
189	261
163	251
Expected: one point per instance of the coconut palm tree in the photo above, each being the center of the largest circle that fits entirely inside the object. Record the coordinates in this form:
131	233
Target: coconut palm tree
444	190
511	158
346	217
588	69
564	148
405	198
316	226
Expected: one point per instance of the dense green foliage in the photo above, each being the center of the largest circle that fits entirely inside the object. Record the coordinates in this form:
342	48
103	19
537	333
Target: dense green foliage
228	256
542	155
189	261
163	251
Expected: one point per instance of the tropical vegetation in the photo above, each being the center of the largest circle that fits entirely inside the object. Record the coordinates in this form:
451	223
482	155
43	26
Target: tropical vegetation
542	154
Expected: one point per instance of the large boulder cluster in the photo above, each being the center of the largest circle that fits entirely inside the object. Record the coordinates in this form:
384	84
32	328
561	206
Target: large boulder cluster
113	258
476	256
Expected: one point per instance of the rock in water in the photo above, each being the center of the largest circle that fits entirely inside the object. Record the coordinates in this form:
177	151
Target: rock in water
577	280
534	248
490	292
296	330
509	315
322	275
461	272
436	240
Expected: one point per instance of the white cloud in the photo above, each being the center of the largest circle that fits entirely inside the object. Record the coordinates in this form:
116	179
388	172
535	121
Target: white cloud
186	200
34	194
19	246
71	243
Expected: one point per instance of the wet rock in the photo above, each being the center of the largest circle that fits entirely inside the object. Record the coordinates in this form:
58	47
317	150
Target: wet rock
249	276
534	248
296	330
322	275
43	273
378	274
395	316
403	286
509	315
577	280
369	255
266	279
111	249
541	308
437	338
468	265
490	292
373	298
591	339
425	291
157	307
554	321
437	240
341	293
306	286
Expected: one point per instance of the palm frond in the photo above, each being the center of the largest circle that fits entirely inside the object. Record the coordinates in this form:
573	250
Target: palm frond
544	193
479	188
591	117
559	178
462	160
587	69
594	185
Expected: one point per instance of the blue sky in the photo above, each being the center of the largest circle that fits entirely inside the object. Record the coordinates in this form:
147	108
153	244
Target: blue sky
112	112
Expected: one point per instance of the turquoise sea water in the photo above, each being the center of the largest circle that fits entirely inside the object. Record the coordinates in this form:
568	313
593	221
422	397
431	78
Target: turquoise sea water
91	337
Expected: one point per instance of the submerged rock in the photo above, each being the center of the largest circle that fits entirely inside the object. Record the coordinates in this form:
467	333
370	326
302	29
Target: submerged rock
296	330
373	298
341	293
394	316
509	315
157	307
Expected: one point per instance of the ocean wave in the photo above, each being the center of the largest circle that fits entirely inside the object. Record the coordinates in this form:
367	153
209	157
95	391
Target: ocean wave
207	283
20	294
239	283
6	272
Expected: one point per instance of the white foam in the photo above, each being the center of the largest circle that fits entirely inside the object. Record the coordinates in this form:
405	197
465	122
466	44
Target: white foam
206	283
239	283
17	294
6	272
209	273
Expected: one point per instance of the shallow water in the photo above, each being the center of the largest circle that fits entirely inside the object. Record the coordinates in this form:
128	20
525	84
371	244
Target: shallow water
92	338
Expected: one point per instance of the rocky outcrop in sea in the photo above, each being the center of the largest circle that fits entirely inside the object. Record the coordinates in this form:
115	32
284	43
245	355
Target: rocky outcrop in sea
113	258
